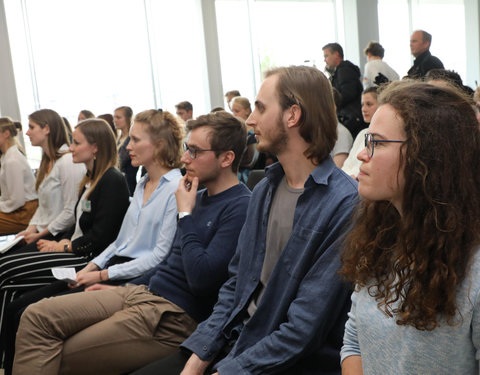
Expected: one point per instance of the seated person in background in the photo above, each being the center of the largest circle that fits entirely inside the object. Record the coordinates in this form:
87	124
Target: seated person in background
241	108
351	166
122	118
442	77
103	200
114	330
109	119
413	253
69	129
229	95
149	225
58	178
85	114
344	137
18	199
184	111
376	70
284	307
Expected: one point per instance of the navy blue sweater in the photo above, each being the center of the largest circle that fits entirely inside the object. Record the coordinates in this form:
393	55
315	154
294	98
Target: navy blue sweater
197	265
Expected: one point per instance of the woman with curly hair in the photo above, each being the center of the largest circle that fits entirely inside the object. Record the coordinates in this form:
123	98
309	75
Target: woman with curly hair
412	253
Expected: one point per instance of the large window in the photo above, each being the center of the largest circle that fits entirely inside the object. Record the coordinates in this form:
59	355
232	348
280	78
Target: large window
444	19
257	35
99	55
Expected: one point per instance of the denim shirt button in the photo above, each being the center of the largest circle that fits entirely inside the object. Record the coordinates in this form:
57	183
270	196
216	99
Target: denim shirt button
205	348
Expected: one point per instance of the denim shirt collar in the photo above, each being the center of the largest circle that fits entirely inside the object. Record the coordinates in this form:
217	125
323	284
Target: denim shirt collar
319	175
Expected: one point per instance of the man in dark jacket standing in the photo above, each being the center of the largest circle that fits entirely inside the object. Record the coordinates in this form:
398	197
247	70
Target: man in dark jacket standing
345	77
420	42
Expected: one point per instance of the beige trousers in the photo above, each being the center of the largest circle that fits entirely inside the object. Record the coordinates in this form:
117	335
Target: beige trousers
103	332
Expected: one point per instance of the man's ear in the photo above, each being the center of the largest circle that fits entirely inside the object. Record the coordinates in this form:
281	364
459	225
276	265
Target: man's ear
227	158
294	114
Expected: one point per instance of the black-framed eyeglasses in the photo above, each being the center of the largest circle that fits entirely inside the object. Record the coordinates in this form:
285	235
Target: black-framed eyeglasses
193	151
370	143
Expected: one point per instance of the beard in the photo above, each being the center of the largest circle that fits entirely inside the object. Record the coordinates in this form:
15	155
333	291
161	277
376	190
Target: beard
274	141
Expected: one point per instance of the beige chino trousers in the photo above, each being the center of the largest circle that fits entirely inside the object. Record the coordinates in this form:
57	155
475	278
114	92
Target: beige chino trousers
103	332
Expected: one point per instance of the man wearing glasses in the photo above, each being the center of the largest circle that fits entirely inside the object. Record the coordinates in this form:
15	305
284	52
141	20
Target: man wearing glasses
114	330
284	307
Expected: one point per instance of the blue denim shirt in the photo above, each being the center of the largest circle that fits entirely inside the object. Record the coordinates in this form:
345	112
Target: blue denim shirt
299	322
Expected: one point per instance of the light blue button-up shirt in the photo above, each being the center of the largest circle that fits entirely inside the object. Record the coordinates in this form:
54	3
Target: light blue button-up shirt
147	230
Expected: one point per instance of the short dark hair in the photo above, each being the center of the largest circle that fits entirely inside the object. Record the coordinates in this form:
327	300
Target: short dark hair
375	49
227	133
217	109
449	76
87	113
187	106
310	89
371	90
232	93
427	37
334	47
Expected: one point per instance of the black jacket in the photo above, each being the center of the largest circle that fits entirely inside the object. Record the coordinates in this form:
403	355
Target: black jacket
346	79
108	204
423	63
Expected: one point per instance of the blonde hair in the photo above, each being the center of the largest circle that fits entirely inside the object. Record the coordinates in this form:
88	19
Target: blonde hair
56	139
98	131
6	123
166	135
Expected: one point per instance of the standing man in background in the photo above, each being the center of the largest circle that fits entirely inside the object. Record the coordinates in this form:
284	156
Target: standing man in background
346	78
420	42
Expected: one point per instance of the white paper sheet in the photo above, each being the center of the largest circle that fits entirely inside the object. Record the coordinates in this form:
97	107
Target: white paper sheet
7	242
66	274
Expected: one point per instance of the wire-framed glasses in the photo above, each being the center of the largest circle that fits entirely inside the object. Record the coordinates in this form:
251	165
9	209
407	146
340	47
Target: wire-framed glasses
193	151
370	143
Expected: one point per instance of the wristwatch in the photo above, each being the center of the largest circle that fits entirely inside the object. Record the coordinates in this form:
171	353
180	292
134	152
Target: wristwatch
181	215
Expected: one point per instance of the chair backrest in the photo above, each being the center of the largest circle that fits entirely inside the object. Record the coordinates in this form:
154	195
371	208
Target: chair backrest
254	177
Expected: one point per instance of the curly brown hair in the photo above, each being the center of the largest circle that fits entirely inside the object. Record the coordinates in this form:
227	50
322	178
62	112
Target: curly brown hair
413	263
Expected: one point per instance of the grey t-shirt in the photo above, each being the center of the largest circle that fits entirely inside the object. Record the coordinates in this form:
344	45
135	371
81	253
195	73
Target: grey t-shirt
279	228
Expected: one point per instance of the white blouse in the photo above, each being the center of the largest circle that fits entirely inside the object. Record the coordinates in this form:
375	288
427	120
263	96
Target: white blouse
17	184
57	195
83	205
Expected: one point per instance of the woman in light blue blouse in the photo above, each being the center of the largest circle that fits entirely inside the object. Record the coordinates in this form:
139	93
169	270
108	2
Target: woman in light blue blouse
149	226
413	252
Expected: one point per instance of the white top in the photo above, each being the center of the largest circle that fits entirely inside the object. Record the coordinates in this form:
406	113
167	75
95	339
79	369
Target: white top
352	164
57	195
373	67
83	205
15	173
344	141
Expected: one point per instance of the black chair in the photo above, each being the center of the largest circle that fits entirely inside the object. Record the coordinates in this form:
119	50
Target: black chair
254	177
